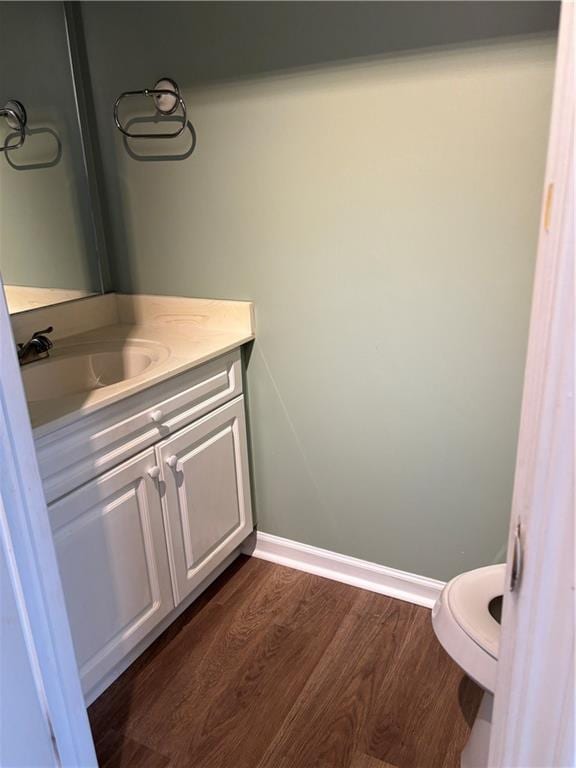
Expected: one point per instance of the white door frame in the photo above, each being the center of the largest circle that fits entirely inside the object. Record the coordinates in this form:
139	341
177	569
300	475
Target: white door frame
26	543
533	721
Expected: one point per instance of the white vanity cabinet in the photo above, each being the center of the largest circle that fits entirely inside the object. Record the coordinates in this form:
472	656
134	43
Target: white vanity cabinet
134	542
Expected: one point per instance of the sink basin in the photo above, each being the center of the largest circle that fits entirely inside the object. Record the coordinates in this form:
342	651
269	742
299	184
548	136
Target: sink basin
83	368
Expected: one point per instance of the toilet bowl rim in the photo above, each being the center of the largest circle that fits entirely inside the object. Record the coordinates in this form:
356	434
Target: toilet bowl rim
496	574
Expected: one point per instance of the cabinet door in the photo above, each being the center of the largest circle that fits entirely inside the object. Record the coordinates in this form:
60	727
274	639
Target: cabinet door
111	549
206	494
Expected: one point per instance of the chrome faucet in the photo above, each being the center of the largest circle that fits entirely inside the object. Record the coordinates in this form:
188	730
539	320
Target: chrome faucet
36	348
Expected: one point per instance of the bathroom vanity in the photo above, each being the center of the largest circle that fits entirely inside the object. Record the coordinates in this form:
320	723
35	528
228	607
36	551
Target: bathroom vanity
143	457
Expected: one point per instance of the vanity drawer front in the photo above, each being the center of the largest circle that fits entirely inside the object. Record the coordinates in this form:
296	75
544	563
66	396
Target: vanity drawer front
75	454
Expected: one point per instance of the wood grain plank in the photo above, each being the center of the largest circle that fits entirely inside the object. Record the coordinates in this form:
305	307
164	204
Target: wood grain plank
324	726
248	633
246	712
365	761
427	707
116	749
275	668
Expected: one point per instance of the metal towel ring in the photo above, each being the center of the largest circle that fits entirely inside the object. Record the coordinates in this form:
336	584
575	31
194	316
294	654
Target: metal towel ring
16	117
166	95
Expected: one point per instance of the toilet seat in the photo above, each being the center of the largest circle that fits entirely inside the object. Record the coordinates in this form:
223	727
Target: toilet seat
464	625
469	596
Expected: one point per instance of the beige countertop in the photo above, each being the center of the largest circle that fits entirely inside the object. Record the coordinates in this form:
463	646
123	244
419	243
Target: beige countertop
188	332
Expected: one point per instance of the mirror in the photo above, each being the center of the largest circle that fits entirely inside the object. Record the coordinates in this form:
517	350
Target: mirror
51	243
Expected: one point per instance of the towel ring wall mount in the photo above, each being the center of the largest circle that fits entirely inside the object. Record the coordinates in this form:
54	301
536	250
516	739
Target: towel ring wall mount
15	114
167	100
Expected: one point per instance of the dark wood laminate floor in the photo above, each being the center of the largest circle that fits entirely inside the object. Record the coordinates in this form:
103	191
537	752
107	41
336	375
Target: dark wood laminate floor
274	668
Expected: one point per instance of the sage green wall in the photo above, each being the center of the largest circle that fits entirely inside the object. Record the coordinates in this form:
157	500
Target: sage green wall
46	237
370	175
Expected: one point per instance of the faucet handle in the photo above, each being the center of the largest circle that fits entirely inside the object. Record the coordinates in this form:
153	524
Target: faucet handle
40	338
37	346
41	333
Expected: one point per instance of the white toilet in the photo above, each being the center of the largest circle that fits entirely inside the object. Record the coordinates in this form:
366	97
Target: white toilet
466	620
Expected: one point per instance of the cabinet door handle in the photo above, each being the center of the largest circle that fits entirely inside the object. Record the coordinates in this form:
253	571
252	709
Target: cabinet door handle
173	462
154	472
156	416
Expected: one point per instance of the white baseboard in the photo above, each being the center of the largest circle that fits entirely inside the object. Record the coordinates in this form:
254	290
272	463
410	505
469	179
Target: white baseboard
410	587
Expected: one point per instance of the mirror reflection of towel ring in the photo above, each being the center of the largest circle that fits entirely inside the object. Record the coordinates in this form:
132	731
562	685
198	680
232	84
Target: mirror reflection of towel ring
15	114
22	162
